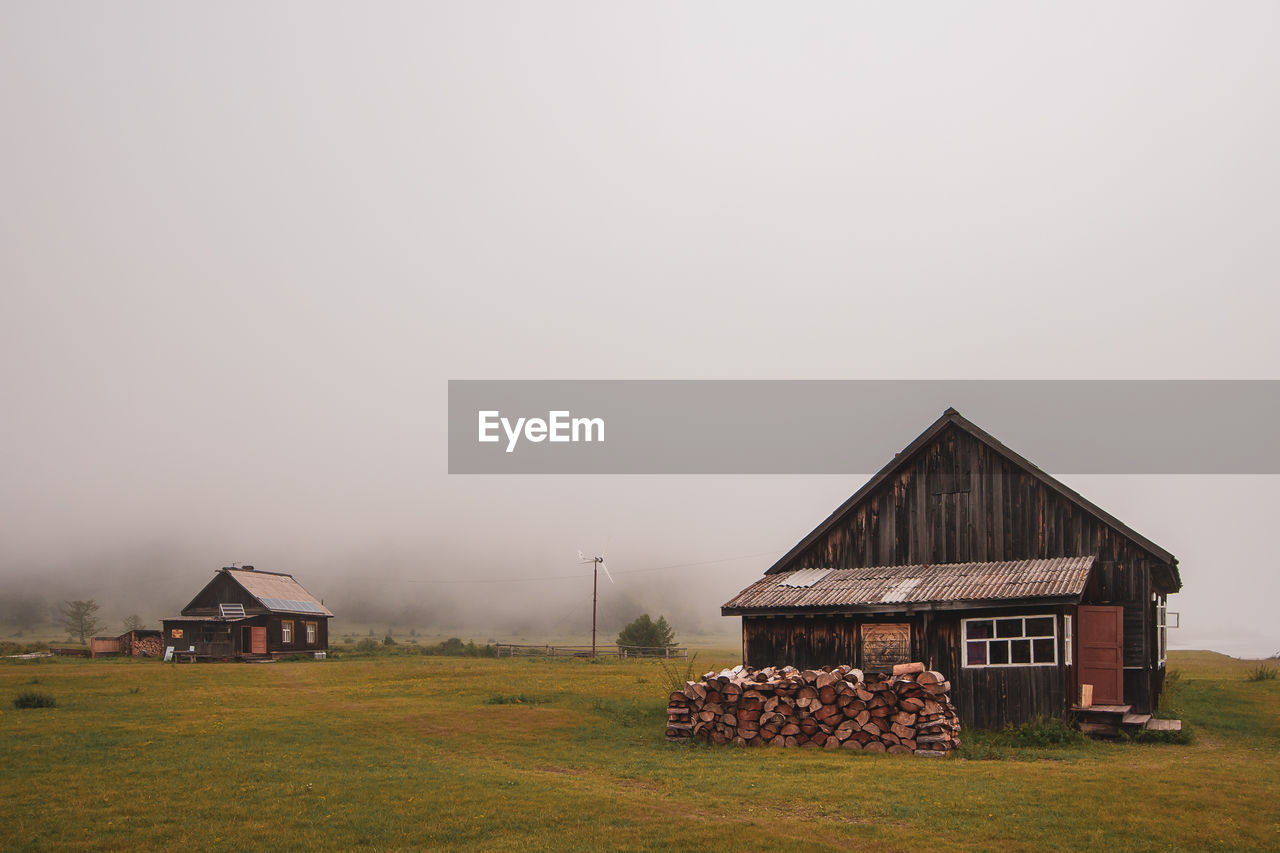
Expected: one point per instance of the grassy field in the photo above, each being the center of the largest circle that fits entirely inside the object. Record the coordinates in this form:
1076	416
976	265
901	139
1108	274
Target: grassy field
412	752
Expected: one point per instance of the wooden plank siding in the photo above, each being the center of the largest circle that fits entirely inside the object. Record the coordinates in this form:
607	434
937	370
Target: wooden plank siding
959	499
985	697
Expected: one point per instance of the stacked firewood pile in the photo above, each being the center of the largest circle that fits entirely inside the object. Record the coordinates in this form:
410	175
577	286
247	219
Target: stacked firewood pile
146	647
907	710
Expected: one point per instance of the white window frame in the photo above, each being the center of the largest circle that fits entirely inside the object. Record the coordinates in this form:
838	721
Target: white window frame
313	633
286	631
964	641
1066	637
1162	629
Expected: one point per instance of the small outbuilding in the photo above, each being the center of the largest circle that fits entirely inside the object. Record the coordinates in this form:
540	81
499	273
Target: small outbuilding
964	555
248	614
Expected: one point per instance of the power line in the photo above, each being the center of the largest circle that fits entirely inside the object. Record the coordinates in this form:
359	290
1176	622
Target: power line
579	575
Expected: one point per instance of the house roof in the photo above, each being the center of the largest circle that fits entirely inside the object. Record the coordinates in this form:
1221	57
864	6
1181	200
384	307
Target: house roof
951	417
924	586
276	592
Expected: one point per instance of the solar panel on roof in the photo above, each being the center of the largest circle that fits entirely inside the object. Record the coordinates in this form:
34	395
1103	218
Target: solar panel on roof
292	604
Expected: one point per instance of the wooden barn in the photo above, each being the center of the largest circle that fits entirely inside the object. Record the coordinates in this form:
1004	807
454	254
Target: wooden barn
962	554
248	614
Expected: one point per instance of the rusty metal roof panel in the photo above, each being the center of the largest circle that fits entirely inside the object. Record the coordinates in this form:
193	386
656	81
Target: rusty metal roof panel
278	592
923	584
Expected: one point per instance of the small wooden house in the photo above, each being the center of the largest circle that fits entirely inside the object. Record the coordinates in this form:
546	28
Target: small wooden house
247	614
962	554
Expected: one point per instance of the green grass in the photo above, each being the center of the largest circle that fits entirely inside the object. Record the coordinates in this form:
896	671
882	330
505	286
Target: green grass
421	752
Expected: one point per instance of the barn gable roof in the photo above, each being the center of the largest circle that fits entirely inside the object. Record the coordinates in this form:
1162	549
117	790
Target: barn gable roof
890	588
952	418
276	592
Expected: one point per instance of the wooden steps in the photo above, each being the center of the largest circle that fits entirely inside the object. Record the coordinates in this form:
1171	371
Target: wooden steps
1100	720
1110	720
1164	725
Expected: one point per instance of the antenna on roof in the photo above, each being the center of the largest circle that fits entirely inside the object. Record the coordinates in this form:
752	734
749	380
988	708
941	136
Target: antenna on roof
596	564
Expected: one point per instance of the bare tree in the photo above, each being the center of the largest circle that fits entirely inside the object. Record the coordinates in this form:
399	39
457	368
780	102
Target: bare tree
133	622
81	617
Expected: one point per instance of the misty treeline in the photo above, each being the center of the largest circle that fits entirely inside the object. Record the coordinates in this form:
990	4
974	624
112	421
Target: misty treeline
137	589
27	612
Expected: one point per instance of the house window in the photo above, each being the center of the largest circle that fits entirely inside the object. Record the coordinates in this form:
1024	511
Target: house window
1010	641
1066	639
311	633
175	633
286	632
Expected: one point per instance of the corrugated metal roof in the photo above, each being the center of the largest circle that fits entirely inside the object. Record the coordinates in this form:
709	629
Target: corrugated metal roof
278	592
804	577
931	584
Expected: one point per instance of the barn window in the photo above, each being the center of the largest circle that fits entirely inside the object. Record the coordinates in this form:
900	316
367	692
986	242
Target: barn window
311	633
1010	641
286	632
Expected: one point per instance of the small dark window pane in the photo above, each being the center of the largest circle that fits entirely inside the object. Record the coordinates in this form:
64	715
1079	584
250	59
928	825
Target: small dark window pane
1040	627
1043	651
999	653
978	630
1009	628
977	654
1021	651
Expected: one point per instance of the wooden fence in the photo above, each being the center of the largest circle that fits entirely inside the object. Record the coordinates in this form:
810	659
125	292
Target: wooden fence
514	650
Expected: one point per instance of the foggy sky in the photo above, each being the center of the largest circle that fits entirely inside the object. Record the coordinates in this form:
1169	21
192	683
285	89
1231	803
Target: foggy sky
243	248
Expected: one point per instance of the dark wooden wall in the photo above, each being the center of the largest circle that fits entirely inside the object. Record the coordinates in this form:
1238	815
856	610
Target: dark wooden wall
984	697
275	634
959	500
221	590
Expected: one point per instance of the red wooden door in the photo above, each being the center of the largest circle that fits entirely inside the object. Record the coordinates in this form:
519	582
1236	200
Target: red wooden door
1101	652
258	640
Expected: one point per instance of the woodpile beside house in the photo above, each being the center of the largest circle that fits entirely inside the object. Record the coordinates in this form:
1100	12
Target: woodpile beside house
148	646
907	711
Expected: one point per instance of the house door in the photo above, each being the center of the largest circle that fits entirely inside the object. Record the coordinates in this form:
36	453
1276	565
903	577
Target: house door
1101	652
253	640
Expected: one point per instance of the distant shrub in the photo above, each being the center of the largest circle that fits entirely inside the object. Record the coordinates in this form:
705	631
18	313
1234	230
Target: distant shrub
9	647
1262	672
32	699
454	647
366	645
388	640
